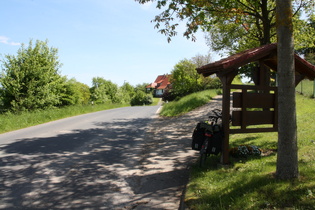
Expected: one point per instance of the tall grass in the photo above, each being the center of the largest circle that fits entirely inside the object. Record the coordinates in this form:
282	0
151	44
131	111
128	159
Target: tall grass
248	183
187	103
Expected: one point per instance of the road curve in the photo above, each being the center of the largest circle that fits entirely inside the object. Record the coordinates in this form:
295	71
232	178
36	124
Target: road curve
76	163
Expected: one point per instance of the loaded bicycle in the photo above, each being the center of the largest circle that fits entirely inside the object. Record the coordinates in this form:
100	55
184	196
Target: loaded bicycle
208	136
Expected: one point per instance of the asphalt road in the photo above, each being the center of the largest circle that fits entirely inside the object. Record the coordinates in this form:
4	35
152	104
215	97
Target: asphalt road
80	162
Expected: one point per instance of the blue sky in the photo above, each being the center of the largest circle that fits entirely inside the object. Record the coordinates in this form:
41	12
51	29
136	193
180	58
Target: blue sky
113	39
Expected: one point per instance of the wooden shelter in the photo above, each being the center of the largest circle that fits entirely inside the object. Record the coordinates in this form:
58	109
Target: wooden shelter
254	105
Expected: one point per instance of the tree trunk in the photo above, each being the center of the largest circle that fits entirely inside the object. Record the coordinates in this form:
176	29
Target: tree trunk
287	159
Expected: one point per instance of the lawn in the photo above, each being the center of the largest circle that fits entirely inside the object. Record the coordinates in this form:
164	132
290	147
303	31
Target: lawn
249	183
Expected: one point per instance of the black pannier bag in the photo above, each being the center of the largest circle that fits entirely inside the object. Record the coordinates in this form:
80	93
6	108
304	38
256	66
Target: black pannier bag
198	136
215	143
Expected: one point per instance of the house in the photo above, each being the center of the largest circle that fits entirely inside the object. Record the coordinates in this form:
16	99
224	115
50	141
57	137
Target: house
159	86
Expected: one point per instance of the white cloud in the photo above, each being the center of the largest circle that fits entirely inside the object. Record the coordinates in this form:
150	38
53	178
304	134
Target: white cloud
5	40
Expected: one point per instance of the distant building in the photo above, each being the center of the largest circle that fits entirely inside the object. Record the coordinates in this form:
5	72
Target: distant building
159	86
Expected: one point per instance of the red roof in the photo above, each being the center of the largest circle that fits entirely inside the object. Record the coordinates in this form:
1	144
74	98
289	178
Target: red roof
266	53
161	82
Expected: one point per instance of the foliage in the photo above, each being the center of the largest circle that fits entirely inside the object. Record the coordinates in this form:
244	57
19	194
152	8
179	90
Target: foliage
185	79
248	183
201	60
30	80
309	51
233	25
141	98
75	92
103	91
141	87
187	103
129	89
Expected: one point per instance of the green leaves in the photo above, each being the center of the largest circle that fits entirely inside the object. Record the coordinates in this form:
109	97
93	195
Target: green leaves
232	25
30	80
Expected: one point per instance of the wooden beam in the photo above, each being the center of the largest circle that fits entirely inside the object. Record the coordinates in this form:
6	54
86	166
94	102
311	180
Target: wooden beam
226	80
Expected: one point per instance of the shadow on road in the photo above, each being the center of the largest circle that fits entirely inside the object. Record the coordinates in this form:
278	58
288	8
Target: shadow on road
121	164
76	169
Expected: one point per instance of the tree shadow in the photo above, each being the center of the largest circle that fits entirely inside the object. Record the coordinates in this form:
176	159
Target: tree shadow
72	170
96	168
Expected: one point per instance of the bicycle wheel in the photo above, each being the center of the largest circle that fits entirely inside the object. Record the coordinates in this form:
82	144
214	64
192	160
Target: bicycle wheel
203	153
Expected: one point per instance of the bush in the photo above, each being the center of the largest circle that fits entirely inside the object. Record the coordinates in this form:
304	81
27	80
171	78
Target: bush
140	98
168	96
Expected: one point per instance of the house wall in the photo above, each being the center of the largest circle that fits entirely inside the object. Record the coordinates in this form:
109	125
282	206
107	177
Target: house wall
159	92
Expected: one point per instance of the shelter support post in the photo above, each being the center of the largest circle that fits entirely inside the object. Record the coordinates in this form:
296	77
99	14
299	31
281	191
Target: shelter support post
226	102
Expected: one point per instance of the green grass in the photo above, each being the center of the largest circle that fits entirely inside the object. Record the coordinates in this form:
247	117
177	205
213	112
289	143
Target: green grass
306	87
187	103
249	183
10	122
155	101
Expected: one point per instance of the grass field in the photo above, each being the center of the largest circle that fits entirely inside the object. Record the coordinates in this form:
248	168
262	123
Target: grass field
249	183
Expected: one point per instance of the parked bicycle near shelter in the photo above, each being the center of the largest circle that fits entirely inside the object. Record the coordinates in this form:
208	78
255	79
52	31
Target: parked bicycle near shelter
208	136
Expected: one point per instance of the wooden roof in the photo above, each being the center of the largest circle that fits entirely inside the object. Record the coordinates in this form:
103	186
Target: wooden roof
266	53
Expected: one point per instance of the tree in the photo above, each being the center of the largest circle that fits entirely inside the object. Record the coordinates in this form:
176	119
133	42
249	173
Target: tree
104	91
30	80
128	91
200	60
184	78
233	25
309	52
141	98
287	158
75	92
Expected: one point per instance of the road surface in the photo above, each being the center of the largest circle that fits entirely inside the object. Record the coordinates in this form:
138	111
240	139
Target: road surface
83	162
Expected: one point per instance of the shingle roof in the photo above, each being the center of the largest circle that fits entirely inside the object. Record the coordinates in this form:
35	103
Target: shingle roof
266	53
161	82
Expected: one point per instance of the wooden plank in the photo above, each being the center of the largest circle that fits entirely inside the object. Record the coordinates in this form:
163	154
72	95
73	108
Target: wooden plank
252	87
253	130
253	100
246	118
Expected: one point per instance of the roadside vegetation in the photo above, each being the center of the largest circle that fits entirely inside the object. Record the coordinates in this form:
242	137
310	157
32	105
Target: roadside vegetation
31	81
249	183
187	103
13	121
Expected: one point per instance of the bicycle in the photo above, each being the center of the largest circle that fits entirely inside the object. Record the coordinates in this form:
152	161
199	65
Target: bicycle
213	136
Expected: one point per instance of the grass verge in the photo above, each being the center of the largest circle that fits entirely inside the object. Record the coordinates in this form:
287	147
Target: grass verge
10	122
248	183
187	103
